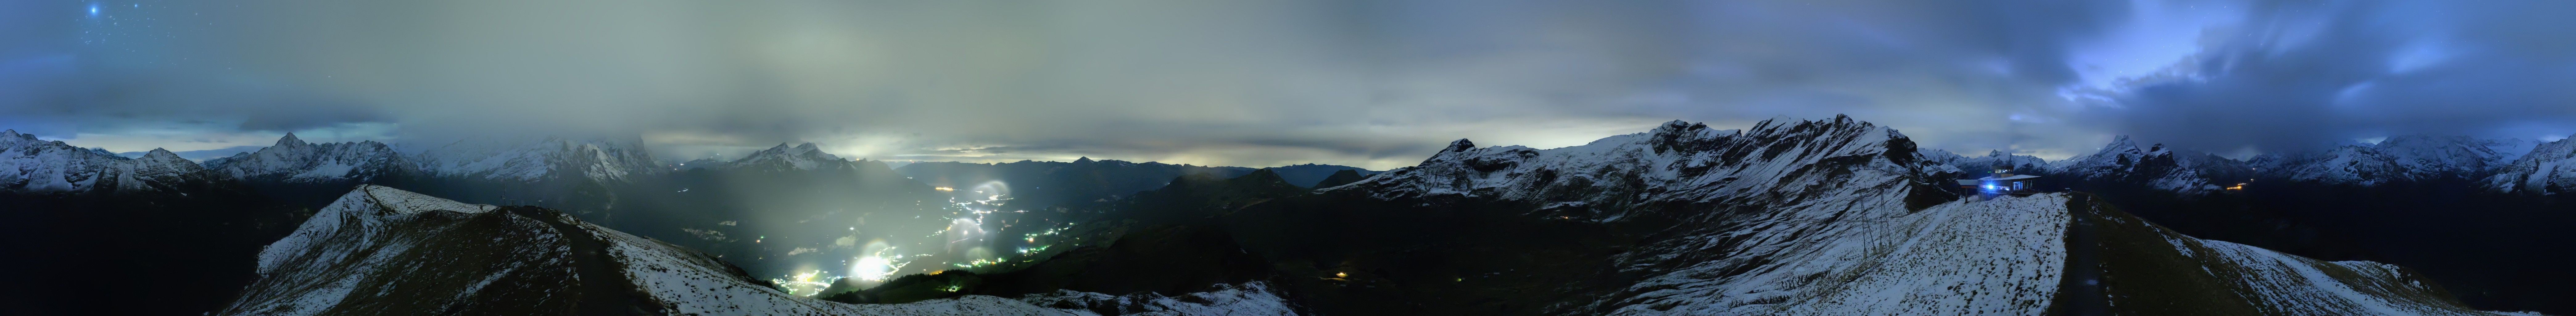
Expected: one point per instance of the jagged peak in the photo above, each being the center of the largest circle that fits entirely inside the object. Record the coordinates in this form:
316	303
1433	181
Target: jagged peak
2120	145
805	147
1774	123
1459	145
1084	159
1996	153
1455	148
1785	124
1679	126
290	140
2122	141
13	134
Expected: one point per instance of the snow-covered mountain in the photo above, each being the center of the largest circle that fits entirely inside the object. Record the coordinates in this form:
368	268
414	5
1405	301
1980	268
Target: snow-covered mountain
28	164
382	251
782	157
1844	217
2547	169
293	160
524	160
2155	166
1779	160
1981	165
2400	158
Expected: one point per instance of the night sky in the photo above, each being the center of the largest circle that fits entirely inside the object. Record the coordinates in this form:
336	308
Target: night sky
1375	84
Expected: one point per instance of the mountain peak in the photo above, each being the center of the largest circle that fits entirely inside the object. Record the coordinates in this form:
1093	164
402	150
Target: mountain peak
1084	159
806	156
1459	145
156	151
290	140
1678	126
2121	141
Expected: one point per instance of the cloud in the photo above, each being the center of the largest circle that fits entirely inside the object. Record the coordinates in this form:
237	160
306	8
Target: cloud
1372	83
2297	75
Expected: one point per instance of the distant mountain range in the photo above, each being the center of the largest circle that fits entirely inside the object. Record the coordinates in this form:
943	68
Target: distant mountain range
39	166
2502	165
201	155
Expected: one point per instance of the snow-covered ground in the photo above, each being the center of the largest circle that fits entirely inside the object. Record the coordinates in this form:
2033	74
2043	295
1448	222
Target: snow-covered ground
1999	257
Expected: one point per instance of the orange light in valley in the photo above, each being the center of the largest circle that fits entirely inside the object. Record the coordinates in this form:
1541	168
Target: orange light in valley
2239	186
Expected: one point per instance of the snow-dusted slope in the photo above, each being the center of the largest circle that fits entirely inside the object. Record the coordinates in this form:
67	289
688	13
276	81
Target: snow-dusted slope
2547	169
293	160
2149	270
2000	257
782	157
31	165
2401	158
382	251
2156	167
1798	217
537	159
